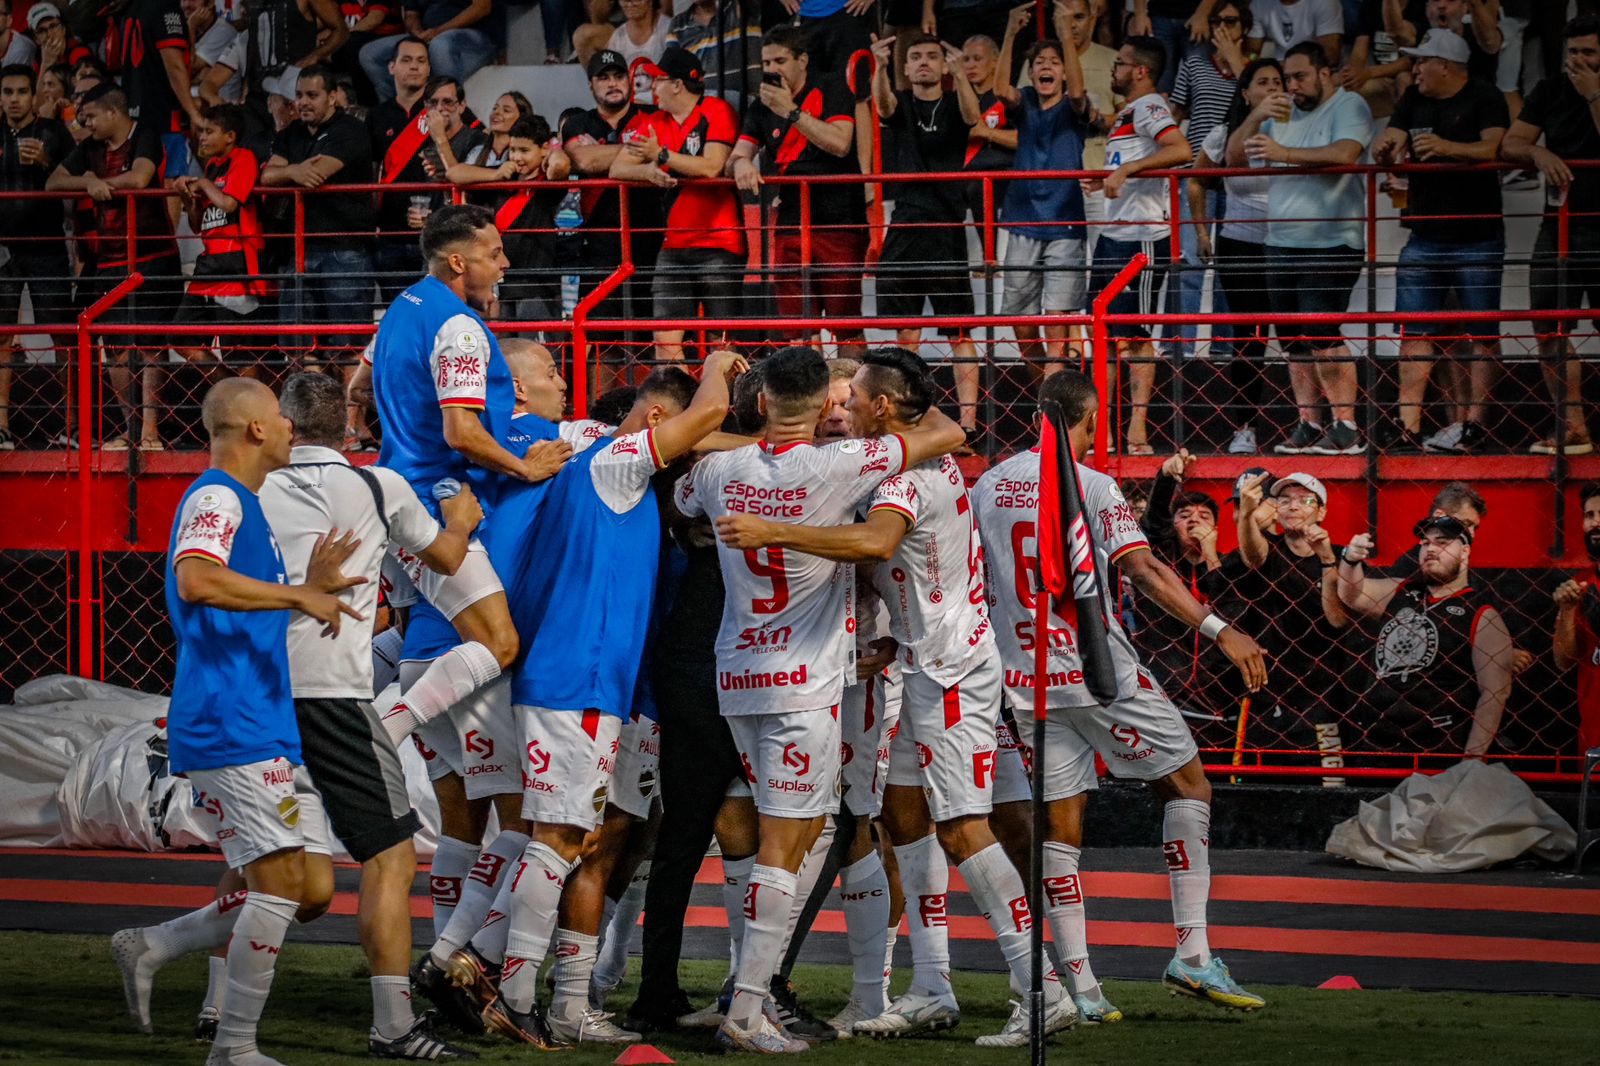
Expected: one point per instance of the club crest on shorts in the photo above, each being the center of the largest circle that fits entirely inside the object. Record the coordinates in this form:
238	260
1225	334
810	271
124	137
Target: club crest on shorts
600	799
289	811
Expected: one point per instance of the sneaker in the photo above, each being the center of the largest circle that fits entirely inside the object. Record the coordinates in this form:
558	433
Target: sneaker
474	976
1243	442
1341	439
1472	436
1096	1009
1209	982
1394	439
846	1019
205	1026
419	1043
455	1005
1058	1017
1574	445
1447	439
519	1027
910	1014
132	954
590	1027
8	443
712	1015
1300	439
64	440
793	1018
656	1014
764	1039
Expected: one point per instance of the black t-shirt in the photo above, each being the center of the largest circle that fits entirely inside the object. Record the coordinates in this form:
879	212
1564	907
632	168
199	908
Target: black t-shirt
926	137
1423	682
786	151
602	210
149	26
1462	118
31	218
343	138
526	220
154	228
1555	107
1481	65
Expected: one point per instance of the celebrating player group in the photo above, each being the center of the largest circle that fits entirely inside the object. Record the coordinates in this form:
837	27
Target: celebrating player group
877	644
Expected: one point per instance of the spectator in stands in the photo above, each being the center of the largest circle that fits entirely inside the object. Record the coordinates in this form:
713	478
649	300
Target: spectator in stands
400	147
450	138
1144	136
54	96
805	125
286	37
214	74
345	97
456	34
1315	235
1514	18
1577	628
1181	26
834	30
32	254
924	258
1447	117
593	35
15	47
685	142
226	286
643	33
1096	61
155	75
325	147
1375	68
118	157
992	144
1441	656
1561	110
725	36
368	21
1289	589
50	35
1478	23
1287	23
1044	219
490	158
525	217
1239	252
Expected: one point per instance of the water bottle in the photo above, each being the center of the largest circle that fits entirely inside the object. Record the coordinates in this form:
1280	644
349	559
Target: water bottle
569	216
445	488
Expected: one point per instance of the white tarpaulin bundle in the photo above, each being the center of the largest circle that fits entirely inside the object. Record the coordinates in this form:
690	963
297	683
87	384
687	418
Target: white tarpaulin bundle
83	765
1470	816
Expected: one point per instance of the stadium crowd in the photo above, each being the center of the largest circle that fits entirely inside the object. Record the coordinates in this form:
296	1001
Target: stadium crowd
224	105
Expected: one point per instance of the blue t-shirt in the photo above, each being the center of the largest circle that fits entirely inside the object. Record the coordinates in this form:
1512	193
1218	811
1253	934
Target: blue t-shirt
433	351
1046	140
820	9
231	699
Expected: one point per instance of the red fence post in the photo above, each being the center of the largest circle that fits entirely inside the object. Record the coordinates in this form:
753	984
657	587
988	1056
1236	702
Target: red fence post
1102	361
580	335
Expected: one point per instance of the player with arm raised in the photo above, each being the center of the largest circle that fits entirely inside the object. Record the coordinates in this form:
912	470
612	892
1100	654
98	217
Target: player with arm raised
920	531
1140	735
784	645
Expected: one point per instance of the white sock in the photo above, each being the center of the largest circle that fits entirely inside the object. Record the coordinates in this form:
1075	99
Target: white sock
1063	907
925	877
735	882
200	930
216	982
806	880
386	658
1186	843
890	935
864	896
767	904
448	680
478	892
533	920
612	965
997	889
490	939
451	861
391	1006
252	957
575	955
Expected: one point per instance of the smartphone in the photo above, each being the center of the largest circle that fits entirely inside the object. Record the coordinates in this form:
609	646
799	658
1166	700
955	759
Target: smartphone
771	79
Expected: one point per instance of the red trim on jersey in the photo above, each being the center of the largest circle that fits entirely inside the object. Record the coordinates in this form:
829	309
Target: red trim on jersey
591	723
461	401
181	43
772	449
200	553
834	710
1126	548
655	456
1145	682
897	509
904	454
1472	634
952	706
1164	132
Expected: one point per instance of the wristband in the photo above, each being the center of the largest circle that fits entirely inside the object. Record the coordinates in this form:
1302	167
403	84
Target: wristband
662	157
794	116
1213	625
1344	557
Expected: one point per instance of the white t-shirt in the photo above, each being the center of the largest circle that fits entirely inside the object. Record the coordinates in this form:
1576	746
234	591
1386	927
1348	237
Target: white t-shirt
220	43
933	585
21	50
785	643
1006	499
1246	212
1287	24
1140	213
317	492
651	49
1315	210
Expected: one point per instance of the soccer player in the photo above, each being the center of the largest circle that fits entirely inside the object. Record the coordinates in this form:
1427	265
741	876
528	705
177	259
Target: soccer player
585	607
784	645
1140	735
444	395
920	530
231	728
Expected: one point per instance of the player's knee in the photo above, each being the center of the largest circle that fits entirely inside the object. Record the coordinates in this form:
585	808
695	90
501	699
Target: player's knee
962	838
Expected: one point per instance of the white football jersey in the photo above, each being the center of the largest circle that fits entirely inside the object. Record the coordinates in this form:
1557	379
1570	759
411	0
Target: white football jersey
786	643
1006	499
1141	212
933	586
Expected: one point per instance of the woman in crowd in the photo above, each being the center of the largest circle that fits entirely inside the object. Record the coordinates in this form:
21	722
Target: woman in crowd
490	161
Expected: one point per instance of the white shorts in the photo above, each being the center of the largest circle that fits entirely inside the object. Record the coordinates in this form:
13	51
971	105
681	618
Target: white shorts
569	758
946	740
452	594
866	714
791	760
635	785
260	808
478	739
1142	737
1012	765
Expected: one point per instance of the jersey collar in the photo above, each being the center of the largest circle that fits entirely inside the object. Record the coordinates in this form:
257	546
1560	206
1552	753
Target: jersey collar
315	453
780	449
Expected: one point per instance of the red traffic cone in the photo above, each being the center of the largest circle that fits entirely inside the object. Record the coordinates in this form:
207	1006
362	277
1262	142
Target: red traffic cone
640	1055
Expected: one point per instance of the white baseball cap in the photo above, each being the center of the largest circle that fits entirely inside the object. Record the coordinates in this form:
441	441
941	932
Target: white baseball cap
1441	44
39	12
1305	481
